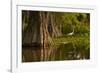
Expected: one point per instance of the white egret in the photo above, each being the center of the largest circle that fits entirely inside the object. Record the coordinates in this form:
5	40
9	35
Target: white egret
71	32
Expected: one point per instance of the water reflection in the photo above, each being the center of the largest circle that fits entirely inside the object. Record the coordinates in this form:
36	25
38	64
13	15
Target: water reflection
65	51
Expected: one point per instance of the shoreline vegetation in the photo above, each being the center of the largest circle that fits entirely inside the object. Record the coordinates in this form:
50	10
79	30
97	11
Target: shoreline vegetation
55	36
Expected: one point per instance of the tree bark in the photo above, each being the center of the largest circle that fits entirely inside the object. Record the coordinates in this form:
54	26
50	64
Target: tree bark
37	32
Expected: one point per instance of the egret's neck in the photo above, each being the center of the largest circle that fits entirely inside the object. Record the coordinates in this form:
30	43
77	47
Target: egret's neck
73	29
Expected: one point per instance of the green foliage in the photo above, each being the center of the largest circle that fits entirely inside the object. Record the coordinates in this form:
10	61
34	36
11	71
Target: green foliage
62	22
75	44
77	21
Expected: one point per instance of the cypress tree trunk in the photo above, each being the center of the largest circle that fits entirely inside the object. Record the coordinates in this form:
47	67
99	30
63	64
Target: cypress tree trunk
37	32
